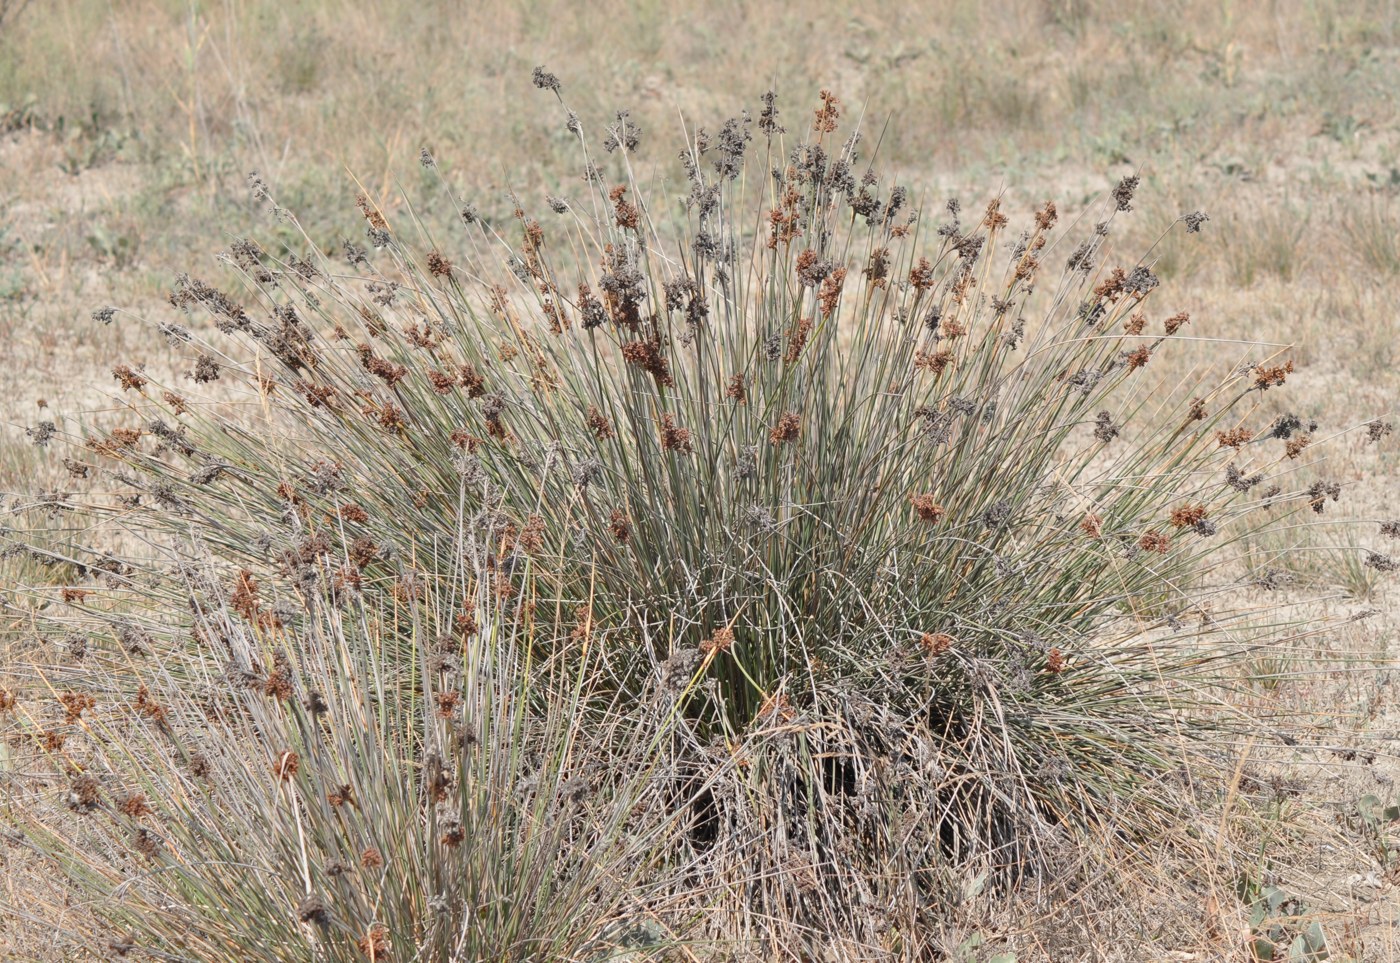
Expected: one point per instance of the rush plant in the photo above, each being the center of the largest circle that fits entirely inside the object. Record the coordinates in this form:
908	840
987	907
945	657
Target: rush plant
891	497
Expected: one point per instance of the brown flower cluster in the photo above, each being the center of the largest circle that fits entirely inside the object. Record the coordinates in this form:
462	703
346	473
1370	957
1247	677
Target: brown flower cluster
828	113
647	356
626	213
719	641
1188	515
1091	525
788	428
933	362
1155	541
926	507
1234	438
830	295
285	765
936	643
1270	377
675	438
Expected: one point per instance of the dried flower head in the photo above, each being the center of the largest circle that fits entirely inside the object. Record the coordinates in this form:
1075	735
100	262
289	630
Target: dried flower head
134	805
75	704
720	640
129	378
619	526
1055	659
1194	220
1188	515
737	390
371	858
1173	324
1381	563
312	909
206	369
83	795
1269	377
148	707
375	943
830	294
147	843
936	643
788	428
1377	429
1123	193
828	113
934	362
1319	492
545	80
1234	438
438	265
447	703
926	507
647	356
1104	428
1091	525
1154	541
674	438
285	765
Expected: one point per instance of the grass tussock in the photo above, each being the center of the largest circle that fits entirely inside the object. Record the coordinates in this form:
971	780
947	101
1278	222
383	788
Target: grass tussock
749	557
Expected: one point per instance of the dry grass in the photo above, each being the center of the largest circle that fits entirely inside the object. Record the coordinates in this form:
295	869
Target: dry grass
128	138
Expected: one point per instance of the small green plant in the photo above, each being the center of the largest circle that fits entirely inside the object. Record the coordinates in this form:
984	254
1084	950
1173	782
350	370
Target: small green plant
1377	821
1281	929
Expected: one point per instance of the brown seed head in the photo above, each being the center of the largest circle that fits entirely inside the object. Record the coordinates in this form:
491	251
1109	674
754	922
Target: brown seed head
830	295
129	378
936	643
674	438
933	362
75	704
828	113
738	390
285	765
927	507
1234	438
375	943
1155	541
134	805
1270	377
83	793
994	218
447	703
620	526
719	641
1186	516
788	428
